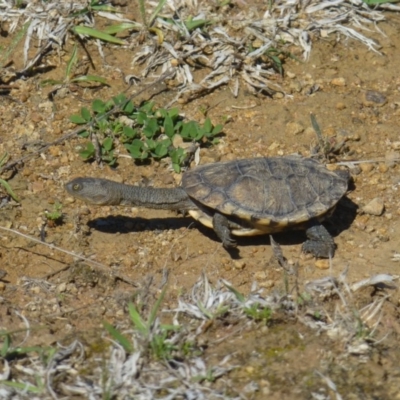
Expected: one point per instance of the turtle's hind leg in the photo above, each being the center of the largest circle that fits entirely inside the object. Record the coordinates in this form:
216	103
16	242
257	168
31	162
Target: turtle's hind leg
221	226
320	243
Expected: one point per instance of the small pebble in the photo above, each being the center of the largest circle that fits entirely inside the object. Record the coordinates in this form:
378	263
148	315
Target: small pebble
61	287
268	284
372	98
382	231
383	168
295	86
375	207
260	275
239	264
278	95
294	128
120	313
338	82
340	106
35	290
396	145
366	167
36	118
322	264
37	187
361	221
391	158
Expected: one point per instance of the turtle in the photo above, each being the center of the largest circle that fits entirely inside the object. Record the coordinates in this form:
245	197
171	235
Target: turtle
242	197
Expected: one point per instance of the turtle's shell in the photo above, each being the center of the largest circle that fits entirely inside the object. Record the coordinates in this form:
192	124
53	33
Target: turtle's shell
268	194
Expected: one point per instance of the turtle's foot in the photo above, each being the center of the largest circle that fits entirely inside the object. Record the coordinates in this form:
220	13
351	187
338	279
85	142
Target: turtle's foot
320	243
221	228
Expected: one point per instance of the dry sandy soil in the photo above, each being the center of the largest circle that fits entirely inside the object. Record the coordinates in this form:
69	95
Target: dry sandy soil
280	359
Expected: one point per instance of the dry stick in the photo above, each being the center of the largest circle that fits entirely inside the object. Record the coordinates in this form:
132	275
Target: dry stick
100	267
86	126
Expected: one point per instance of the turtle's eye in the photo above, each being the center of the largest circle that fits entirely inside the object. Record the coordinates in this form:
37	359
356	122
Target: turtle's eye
76	187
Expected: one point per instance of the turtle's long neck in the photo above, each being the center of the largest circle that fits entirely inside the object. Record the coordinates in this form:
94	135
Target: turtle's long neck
168	199
105	192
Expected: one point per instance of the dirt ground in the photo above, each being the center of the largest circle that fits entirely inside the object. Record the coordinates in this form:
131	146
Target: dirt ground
281	359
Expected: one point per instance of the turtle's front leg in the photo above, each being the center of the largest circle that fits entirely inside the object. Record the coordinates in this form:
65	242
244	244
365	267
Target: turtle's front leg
222	229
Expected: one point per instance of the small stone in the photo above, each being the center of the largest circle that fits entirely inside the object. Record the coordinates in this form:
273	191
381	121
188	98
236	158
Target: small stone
322	264
382	231
37	187
26	172
239	264
120	313
35	290
340	106
36	118
290	75
2	286
294	128
391	158
361	222
257	43
383	168
273	146
366	167
355	170
62	287
338	82
260	275
250	369
268	284
209	160
375	207
372	98
54	151
295	86
278	95
71	288
69	200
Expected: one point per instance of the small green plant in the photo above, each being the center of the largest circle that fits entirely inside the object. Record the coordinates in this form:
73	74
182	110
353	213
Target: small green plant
70	77
146	132
6	51
155	337
4	183
9	352
55	217
328	146
106	35
258	313
377	2
254	310
304	298
188	25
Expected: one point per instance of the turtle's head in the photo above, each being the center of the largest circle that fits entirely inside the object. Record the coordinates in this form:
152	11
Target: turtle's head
94	191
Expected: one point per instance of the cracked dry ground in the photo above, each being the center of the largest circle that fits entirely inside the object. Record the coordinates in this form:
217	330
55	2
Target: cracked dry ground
137	243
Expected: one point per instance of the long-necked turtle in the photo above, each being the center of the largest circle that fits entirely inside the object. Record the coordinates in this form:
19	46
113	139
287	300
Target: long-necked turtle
242	197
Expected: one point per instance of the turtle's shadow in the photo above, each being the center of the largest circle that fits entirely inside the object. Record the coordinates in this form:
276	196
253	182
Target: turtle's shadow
339	221
124	224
